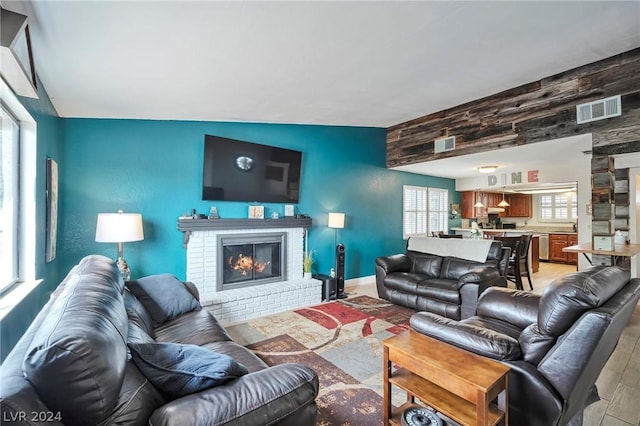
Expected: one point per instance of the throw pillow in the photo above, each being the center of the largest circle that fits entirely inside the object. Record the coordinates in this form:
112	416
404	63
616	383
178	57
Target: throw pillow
177	369
163	296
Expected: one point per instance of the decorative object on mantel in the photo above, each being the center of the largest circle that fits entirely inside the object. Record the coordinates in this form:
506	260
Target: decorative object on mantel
120	228
256	212
213	213
289	210
307	263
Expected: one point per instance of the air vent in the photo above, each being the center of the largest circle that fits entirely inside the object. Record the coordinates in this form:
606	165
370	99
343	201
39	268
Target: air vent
444	144
599	110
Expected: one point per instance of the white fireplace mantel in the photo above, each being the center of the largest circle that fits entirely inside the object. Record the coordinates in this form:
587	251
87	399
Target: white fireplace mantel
188	225
201	242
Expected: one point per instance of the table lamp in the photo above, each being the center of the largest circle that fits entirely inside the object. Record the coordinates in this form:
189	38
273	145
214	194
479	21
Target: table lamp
336	221
120	228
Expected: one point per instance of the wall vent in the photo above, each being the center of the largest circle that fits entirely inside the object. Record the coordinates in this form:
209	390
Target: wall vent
599	110
444	144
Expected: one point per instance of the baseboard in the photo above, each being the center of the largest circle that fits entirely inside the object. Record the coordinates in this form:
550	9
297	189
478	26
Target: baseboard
354	282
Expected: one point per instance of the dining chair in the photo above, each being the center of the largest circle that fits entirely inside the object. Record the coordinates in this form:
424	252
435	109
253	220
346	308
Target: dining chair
513	273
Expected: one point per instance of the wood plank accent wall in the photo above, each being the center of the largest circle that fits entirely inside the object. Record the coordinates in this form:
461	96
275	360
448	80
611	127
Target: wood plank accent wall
534	112
540	111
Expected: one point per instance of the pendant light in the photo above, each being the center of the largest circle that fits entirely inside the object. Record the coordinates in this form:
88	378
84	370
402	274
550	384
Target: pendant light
503	203
478	204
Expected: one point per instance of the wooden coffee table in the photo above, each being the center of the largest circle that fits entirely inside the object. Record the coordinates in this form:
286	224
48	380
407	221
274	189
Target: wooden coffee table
459	384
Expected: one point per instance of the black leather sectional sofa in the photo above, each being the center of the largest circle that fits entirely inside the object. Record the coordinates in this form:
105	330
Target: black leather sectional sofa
448	286
99	353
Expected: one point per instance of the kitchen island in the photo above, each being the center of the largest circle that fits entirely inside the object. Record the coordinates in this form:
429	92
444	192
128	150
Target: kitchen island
534	251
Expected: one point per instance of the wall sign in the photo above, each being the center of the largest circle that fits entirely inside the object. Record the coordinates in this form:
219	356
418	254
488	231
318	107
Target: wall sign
513	178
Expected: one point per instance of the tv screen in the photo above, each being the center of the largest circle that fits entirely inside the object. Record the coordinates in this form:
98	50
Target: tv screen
237	170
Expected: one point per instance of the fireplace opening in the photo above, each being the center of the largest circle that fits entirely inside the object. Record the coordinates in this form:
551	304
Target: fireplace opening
250	259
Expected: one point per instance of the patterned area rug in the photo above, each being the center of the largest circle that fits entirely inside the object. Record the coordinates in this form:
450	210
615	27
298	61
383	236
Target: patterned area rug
341	341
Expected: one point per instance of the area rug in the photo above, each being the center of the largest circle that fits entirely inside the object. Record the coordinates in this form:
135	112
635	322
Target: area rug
341	341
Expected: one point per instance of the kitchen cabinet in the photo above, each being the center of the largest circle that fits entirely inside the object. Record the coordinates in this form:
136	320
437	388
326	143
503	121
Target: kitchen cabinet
534	251
469	198
520	205
559	241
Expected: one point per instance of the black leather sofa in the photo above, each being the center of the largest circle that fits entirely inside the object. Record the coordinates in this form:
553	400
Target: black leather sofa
555	344
448	286
75	364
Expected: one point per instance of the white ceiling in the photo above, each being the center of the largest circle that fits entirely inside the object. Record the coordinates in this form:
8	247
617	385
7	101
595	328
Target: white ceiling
336	63
563	153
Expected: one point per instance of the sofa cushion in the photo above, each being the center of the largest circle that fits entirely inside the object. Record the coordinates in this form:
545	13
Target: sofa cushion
77	359
426	264
163	296
440	289
137	401
405	282
188	328
453	268
178	370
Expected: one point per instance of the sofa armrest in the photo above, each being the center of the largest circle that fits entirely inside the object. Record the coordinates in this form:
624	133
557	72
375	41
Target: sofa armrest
481	341
263	397
394	263
485	275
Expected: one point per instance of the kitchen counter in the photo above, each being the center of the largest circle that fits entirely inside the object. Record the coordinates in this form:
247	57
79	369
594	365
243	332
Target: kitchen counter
513	232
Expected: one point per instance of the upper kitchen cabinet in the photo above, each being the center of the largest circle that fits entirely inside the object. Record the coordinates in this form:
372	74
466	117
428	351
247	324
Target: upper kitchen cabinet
469	199
520	205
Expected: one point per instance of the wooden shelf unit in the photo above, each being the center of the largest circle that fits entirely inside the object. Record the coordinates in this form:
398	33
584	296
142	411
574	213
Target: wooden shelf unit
459	384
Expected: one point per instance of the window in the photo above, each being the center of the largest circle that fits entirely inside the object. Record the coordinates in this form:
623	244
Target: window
425	210
559	207
9	196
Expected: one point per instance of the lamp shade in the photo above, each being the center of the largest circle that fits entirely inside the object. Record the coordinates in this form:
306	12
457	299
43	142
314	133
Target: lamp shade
336	220
119	227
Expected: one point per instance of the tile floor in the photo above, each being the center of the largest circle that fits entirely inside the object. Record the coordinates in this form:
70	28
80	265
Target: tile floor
619	382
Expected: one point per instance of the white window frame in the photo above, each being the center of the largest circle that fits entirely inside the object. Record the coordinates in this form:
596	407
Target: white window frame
572	207
27	208
418	217
10	171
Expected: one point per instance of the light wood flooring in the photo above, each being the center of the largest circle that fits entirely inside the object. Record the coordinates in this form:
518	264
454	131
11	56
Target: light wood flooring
619	382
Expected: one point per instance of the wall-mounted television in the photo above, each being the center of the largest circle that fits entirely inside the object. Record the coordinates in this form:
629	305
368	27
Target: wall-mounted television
236	170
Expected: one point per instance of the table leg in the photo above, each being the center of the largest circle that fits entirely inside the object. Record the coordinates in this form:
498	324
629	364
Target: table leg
503	403
482	409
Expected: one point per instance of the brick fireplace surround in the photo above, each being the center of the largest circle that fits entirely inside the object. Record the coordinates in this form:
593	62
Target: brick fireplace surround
230	306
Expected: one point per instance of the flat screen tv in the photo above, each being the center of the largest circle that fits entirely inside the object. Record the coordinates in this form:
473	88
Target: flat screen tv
237	170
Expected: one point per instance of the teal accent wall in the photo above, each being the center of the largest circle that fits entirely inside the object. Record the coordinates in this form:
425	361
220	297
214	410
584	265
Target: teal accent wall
155	168
49	142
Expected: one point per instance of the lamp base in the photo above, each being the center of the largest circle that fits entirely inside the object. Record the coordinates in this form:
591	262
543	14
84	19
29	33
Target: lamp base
124	268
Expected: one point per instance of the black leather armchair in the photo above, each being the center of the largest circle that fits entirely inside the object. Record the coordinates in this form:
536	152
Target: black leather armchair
555	344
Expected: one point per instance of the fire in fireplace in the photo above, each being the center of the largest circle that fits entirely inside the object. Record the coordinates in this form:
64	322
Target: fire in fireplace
250	259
